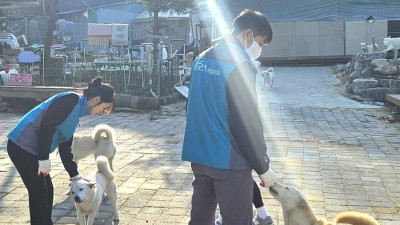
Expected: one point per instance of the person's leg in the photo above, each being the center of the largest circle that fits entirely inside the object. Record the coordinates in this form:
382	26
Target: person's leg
219	220
40	188
234	192
204	203
257	198
262	216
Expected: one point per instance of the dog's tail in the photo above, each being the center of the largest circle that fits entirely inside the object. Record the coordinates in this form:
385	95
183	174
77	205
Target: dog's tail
270	69
265	72
102	128
356	218
104	167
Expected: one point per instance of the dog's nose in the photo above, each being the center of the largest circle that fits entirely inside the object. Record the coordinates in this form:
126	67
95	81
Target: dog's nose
77	199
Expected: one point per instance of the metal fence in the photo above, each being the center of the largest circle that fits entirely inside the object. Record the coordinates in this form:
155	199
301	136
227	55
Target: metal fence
136	78
130	70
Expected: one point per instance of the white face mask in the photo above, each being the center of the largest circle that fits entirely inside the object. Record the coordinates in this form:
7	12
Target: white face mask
254	50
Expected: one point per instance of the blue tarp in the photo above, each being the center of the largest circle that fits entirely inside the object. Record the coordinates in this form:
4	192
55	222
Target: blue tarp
28	57
317	10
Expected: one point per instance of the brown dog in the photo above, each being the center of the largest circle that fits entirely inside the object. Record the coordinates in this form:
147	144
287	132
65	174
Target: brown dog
297	211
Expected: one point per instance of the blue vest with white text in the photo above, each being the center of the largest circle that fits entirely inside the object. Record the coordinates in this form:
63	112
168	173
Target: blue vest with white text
207	138
26	132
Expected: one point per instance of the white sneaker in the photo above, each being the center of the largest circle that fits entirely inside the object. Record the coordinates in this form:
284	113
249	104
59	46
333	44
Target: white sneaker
259	221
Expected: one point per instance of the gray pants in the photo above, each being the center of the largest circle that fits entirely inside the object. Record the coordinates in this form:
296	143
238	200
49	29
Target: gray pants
231	189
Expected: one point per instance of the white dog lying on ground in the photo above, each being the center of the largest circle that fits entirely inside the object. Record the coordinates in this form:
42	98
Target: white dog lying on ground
368	48
269	76
88	194
296	210
392	44
85	145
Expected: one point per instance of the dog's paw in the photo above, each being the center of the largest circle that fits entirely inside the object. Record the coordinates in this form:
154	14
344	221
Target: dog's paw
116	218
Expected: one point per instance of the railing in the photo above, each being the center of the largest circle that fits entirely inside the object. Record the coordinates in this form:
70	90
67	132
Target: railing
127	77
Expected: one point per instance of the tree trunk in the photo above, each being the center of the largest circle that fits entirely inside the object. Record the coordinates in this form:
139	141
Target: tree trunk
156	64
49	35
156	39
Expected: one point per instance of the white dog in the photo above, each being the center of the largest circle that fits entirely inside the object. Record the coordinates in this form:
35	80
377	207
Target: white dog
297	211
84	145
368	48
392	44
269	76
88	194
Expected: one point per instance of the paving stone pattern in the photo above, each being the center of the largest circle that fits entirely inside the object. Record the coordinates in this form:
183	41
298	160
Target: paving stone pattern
341	159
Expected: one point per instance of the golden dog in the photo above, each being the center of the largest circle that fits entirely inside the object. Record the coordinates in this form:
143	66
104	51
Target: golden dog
297	211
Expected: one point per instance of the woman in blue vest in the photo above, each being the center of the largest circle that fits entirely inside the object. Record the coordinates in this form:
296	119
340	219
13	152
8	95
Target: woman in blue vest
49	125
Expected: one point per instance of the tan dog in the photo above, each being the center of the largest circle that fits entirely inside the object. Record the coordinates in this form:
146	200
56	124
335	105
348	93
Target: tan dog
297	211
368	48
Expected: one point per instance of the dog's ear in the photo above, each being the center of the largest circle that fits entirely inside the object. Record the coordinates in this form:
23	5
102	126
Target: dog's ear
303	204
92	184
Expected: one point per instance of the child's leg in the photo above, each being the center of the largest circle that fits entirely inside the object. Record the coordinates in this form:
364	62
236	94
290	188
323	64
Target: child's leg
219	220
257	199
258	202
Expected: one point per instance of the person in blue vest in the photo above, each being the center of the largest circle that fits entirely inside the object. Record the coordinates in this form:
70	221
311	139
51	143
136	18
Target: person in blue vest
223	138
39	132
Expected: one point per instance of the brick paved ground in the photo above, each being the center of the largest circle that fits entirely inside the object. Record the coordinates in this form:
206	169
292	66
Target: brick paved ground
342	159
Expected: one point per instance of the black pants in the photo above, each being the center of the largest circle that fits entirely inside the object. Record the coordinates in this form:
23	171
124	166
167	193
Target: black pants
40	188
257	199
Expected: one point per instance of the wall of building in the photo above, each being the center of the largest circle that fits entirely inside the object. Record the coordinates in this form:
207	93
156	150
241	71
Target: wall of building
357	32
324	38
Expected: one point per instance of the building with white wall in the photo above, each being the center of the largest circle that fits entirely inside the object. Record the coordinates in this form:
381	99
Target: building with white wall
314	28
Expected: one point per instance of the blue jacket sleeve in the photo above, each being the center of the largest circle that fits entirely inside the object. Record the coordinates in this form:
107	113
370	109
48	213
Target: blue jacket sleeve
244	118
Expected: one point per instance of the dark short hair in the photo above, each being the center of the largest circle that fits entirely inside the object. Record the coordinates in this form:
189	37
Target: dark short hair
103	90
254	20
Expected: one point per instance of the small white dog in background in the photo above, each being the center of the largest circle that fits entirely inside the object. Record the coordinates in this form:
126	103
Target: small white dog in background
392	44
95	144
368	48
269	76
88	194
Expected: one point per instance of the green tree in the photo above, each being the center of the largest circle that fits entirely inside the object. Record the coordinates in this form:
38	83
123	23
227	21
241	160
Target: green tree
156	6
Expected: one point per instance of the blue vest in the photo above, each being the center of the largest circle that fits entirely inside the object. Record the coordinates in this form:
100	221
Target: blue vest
26	132
207	139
